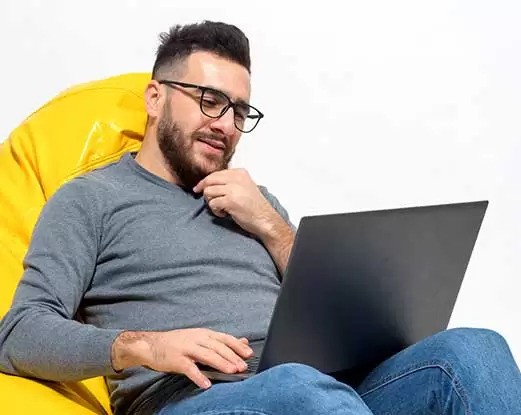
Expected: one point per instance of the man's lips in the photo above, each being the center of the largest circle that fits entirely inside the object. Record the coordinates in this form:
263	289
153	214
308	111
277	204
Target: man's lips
219	145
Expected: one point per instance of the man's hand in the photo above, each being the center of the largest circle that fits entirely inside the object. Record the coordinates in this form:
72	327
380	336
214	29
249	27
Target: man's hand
178	351
233	192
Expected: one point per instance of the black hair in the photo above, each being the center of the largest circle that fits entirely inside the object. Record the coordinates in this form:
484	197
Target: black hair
224	40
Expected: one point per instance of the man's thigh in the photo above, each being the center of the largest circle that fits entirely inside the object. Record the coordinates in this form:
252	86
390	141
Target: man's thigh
284	389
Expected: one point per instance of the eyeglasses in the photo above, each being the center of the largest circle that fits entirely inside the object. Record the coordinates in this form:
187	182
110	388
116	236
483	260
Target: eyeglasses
215	103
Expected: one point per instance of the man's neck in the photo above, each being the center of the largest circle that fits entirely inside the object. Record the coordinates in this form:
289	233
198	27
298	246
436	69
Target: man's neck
150	158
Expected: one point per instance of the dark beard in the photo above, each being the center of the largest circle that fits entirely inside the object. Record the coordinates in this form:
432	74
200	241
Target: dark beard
176	148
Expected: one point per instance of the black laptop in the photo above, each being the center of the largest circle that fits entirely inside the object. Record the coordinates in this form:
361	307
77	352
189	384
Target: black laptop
360	287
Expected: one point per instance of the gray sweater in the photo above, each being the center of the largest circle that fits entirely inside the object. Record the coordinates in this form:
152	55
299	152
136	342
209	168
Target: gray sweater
122	249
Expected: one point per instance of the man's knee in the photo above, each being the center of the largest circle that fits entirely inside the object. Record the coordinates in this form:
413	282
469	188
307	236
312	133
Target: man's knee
294	372
469	345
294	381
471	338
295	385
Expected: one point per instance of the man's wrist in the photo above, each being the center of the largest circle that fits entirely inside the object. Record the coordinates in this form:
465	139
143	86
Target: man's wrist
130	348
274	229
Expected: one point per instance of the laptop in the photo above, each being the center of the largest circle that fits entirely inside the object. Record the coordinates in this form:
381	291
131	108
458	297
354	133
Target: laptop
360	287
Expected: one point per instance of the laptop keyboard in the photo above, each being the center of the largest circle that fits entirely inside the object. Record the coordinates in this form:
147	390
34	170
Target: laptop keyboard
253	364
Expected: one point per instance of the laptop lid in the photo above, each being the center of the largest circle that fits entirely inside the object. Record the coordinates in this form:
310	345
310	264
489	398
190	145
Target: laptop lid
361	286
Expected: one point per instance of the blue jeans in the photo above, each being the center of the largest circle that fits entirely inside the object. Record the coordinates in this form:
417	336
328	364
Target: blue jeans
457	371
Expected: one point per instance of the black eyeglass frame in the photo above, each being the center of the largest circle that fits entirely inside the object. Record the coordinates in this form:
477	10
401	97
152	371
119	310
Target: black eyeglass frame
230	104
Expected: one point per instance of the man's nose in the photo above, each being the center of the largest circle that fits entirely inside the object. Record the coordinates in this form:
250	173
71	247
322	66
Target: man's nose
224	124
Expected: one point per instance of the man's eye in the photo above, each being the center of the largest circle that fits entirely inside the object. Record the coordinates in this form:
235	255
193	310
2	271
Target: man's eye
209	102
241	112
240	116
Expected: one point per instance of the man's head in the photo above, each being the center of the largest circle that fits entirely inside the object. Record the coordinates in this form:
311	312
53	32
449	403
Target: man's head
197	100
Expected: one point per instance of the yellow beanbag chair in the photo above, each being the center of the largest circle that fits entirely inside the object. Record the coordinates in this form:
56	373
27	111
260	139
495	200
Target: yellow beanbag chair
83	128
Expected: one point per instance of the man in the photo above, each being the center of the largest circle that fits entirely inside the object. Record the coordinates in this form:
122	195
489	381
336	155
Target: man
140	270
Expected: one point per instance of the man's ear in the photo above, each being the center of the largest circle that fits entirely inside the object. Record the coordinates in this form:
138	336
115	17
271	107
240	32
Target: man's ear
153	98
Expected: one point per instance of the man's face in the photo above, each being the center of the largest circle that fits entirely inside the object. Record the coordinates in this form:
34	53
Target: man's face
193	144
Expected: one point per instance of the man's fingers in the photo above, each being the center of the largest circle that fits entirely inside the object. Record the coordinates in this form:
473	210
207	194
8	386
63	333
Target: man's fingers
218	206
227	353
221	177
193	373
211	192
216	178
211	358
239	347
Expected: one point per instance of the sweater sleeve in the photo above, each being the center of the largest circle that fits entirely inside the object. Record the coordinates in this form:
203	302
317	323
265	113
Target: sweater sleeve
39	336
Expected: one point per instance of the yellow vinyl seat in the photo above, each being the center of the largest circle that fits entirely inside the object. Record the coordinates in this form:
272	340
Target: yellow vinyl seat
85	127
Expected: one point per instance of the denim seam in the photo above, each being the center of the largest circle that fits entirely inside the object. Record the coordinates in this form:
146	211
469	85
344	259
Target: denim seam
458	388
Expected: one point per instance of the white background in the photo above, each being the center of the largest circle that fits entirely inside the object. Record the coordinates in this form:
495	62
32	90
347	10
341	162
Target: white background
369	105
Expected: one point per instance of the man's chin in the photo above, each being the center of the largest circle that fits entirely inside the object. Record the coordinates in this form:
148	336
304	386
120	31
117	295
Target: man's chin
207	165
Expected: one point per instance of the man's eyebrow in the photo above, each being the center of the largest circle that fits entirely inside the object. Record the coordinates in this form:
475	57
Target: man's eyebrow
239	101
242	102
